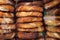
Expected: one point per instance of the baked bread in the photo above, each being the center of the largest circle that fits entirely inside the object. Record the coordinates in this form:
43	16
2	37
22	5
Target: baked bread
25	39
40	38
52	4
5	14
6	8
29	19
22	14
5	31
53	34
51	17
30	25
29	35
37	3
5	2
8	26
46	38
29	8
39	29
53	12
7	36
51	20
50	39
46	1
53	28
6	20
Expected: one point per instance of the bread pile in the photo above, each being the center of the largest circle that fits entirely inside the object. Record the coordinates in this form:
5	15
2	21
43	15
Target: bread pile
29	19
6	19
52	18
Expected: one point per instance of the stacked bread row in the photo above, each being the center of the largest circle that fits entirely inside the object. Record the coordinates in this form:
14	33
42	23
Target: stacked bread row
6	19
29	20
52	18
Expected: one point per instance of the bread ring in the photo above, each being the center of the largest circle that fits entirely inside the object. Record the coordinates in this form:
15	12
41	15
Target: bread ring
5	31
22	14
37	3
53	12
51	4
29	35
46	39
52	20
8	36
6	8
7	26
29	19
53	34
53	29
6	20
39	29
3	14
29	8
46	1
5	2
30	25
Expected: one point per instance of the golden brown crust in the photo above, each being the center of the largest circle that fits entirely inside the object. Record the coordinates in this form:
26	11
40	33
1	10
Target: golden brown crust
45	1
28	19
29	35
53	29
52	20
26	35
25	39
6	20
6	8
10	26
29	8
46	39
57	17
52	12
30	25
8	36
3	14
20	14
32	3
54	35
52	17
40	39
5	2
51	4
39	29
5	31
